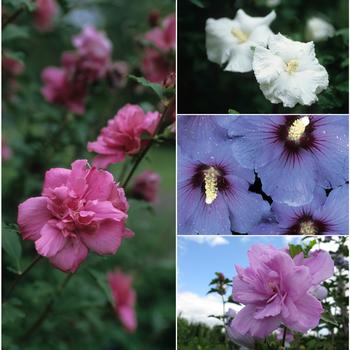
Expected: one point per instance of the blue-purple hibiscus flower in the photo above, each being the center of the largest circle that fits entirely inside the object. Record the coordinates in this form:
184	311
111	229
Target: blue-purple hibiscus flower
293	154
322	216
213	196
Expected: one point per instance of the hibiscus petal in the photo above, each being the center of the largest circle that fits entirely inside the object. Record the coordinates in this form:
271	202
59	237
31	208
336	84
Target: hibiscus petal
69	258
128	318
51	241
32	217
56	178
107	239
309	309
100	185
244	323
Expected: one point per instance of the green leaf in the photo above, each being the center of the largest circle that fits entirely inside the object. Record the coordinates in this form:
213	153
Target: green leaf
103	284
19	56
11	244
345	63
232	111
169	92
253	48
154	87
327	99
294	250
10	311
344	86
12	32
16	3
12	269
151	45
197	3
312	243
345	34
327	317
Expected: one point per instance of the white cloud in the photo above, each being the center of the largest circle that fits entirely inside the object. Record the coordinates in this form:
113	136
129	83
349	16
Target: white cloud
211	240
197	308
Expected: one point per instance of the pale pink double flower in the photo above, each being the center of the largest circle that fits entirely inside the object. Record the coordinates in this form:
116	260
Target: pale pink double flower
276	289
80	210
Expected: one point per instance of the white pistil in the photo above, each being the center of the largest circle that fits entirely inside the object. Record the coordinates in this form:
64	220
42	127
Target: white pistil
298	128
211	189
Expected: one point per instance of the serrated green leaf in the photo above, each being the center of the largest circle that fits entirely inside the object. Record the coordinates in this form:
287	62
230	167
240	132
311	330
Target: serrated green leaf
232	111
197	3
312	243
11	244
327	317
10	311
154	87
294	250
12	32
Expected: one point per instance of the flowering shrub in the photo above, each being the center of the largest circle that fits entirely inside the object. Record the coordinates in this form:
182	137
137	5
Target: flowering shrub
73	216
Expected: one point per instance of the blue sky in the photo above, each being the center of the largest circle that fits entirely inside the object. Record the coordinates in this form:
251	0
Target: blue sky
198	262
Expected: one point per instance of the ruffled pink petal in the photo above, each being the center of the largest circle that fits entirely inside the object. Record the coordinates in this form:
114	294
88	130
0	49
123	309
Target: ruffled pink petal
32	217
309	314
51	241
244	323
56	178
105	210
108	238
321	267
78	171
69	258
103	160
128	318
100	185
298	282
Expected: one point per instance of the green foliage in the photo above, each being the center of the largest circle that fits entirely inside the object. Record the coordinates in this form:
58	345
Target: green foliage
11	244
154	87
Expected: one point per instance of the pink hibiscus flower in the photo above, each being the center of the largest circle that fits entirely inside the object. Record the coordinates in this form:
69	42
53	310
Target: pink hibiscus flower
80	209
156	66
122	135
124	298
276	289
145	186
44	14
61	91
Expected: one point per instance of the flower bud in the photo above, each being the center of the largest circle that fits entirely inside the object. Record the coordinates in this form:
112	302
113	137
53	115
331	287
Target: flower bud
153	17
221	276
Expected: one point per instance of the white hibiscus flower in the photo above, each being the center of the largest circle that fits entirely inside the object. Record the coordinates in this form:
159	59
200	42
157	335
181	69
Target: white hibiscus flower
289	71
230	40
318	29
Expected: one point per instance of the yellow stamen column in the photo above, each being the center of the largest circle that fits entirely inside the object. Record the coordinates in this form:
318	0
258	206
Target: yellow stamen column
211	189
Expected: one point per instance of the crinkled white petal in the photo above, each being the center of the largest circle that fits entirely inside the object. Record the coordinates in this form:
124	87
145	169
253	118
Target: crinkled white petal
277	83
222	46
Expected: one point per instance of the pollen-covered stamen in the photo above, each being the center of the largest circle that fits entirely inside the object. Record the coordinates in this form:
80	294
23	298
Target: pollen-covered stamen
242	38
292	66
298	128
211	189
308	228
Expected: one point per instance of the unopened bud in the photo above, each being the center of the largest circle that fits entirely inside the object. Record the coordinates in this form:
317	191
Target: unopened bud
153	17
